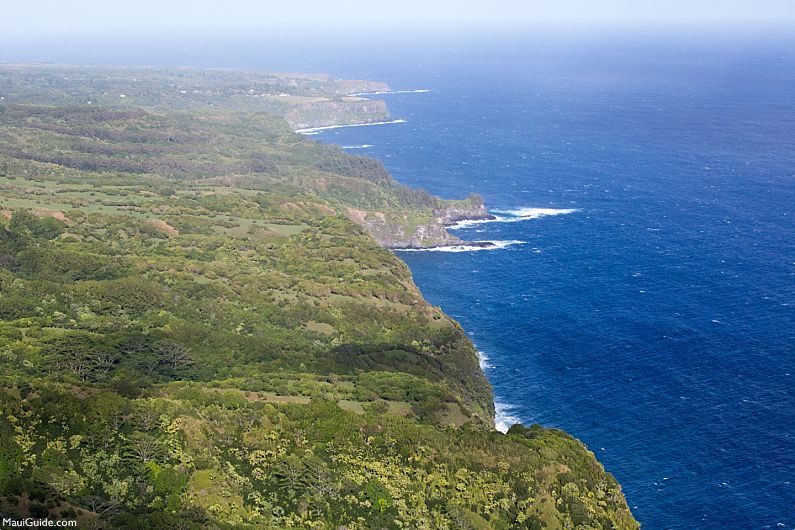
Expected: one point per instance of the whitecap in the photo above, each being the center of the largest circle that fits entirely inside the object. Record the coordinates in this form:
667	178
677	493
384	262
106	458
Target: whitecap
363	146
315	130
385	92
469	223
464	247
513	216
483	360
503	417
535	213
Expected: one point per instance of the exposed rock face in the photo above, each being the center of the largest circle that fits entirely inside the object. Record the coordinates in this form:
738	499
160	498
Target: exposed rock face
401	233
396	231
344	111
471	209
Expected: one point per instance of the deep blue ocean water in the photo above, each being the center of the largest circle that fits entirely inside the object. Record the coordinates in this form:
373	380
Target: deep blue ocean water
657	321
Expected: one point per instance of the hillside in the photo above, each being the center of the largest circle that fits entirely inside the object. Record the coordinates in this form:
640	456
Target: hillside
199	328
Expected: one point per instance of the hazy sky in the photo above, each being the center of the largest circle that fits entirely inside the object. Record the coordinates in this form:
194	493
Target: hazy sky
31	17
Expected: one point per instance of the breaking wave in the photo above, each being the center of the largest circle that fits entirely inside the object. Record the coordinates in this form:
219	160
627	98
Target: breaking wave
513	216
384	92
535	213
483	360
476	222
466	246
503	417
316	130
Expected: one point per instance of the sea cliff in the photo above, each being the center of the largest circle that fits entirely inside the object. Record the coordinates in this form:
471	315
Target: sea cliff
338	111
199	328
413	230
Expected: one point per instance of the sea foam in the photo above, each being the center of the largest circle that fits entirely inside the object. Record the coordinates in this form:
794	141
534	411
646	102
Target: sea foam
363	146
513	216
384	92
316	130
464	247
483	360
535	213
469	223
503	417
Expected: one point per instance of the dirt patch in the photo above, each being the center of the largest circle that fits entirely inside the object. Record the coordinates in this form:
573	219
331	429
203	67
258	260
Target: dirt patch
357	216
320	327
163	226
55	214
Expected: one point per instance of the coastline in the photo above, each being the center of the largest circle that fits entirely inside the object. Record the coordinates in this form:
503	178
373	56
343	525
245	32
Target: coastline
465	246
309	131
249	328
502	417
389	92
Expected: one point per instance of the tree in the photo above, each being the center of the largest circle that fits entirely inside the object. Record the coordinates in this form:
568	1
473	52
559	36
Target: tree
291	473
144	447
27	224
172	354
146	417
87	356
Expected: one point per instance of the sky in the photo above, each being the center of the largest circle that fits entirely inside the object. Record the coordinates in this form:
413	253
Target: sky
30	18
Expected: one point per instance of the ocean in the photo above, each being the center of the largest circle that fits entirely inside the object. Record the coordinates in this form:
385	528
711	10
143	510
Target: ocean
642	296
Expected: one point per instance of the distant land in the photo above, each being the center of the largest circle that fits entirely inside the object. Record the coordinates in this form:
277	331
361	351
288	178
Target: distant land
201	325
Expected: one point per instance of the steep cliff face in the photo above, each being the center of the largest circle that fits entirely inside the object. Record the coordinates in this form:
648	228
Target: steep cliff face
344	111
470	209
402	231
395	230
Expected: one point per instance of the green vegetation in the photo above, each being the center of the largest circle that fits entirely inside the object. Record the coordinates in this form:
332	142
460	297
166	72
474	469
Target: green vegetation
303	100
195	334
